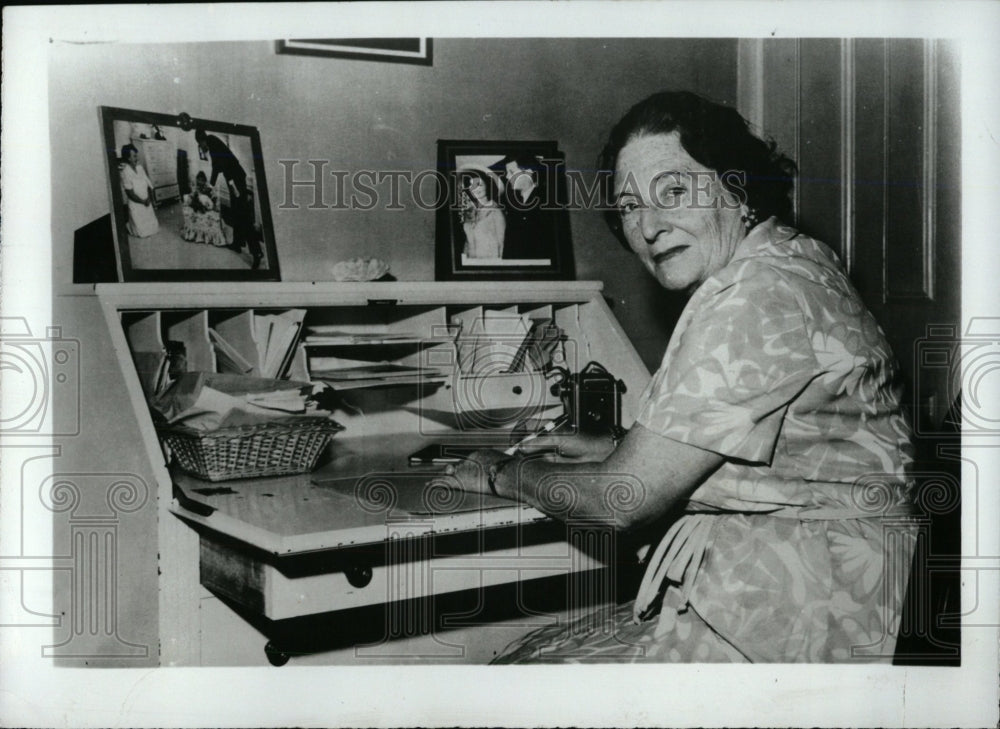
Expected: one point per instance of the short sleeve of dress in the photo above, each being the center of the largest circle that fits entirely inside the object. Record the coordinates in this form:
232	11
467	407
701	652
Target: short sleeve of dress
128	178
742	358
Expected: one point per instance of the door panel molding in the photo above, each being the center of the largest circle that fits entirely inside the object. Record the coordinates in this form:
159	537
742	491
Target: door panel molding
891	139
910	117
848	170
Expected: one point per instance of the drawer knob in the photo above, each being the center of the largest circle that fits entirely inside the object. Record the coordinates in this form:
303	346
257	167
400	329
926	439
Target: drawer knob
359	576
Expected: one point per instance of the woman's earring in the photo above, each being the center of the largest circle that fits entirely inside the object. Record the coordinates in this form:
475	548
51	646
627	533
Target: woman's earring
749	218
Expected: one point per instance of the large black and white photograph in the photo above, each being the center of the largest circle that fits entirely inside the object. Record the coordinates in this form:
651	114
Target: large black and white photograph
189	198
628	364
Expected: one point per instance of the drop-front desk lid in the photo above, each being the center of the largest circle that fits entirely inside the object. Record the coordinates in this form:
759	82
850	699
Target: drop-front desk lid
367	493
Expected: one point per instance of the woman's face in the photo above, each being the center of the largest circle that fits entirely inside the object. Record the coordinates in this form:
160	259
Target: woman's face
676	216
132	157
477	189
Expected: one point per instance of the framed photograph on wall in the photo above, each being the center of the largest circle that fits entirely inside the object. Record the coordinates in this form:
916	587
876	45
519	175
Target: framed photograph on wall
188	199
393	50
503	213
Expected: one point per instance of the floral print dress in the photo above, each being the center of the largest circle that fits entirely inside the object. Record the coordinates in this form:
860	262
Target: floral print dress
798	547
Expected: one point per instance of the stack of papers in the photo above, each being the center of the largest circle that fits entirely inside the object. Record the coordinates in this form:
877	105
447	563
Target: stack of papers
322	335
152	370
206	401
506	342
346	338
537	347
378	375
277	336
228	357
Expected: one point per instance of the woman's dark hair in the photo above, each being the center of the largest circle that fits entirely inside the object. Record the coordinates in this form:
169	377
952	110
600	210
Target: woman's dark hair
714	135
489	184
126	148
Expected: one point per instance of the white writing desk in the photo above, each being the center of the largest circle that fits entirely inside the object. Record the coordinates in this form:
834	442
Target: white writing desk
285	547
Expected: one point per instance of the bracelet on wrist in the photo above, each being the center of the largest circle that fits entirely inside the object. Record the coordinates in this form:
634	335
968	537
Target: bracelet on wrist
493	471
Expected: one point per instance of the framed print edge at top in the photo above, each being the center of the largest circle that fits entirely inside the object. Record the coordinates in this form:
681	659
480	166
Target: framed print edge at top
361	49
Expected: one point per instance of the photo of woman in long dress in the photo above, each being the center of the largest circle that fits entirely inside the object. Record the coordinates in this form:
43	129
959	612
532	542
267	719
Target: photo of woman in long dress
482	217
142	221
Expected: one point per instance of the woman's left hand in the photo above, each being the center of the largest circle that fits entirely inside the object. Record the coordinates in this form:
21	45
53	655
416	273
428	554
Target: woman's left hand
472	473
577	448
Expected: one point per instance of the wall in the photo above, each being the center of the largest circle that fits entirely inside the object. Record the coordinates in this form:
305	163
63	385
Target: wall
367	115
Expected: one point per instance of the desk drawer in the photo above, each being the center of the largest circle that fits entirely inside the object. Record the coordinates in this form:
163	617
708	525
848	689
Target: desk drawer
280	588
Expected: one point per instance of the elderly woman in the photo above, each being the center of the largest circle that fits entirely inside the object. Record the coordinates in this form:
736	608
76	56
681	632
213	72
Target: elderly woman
142	221
773	426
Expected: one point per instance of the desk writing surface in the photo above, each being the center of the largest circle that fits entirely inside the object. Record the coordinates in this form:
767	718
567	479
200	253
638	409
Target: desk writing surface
367	493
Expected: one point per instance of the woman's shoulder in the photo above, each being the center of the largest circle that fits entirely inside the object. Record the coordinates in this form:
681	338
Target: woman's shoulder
783	242
757	275
798	276
771	282
780	255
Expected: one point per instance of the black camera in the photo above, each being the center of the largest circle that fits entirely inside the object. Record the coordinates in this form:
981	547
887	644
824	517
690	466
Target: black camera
593	400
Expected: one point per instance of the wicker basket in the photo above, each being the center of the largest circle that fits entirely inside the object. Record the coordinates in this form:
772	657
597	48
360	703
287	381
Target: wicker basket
276	448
